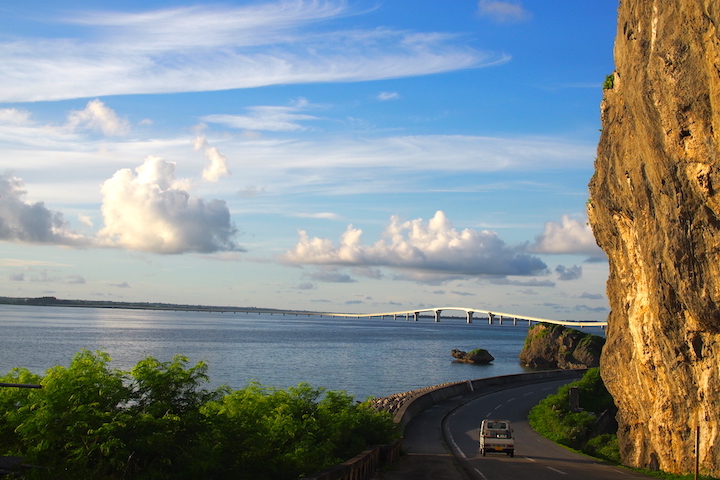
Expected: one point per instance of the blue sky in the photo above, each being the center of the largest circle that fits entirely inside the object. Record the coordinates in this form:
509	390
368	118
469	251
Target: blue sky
352	156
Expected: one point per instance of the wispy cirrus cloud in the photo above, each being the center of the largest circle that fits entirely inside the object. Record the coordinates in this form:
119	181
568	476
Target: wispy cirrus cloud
267	118
208	48
503	11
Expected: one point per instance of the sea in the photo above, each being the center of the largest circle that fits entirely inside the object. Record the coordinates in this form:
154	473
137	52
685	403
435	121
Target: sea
365	357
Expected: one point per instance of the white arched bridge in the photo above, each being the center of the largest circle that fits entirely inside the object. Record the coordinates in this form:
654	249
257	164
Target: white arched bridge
490	316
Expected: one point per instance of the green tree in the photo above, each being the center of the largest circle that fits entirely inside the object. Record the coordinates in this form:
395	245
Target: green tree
69	423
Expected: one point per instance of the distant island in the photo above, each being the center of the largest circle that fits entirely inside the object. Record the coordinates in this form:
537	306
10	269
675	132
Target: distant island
56	302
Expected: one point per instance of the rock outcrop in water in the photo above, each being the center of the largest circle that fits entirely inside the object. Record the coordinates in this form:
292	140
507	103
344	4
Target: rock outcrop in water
655	210
555	346
479	356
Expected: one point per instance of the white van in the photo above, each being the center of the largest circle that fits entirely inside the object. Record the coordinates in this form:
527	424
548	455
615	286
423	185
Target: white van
496	436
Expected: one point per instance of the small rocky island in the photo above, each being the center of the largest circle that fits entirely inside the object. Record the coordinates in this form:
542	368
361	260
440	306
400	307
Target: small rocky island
478	356
555	346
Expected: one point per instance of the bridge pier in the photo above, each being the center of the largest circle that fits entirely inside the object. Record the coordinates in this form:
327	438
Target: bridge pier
500	317
515	321
437	315
490	318
416	315
395	316
469	317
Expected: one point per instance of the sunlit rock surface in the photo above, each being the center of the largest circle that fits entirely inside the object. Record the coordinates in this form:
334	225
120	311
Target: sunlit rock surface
555	346
655	210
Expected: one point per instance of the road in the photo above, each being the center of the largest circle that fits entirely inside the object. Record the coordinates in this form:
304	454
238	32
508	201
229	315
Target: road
536	458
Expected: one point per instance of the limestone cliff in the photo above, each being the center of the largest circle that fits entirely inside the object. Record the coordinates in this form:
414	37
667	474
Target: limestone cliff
554	346
655	211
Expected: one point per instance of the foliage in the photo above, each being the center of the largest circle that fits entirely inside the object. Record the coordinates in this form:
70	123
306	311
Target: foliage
478	351
609	82
604	446
157	421
553	419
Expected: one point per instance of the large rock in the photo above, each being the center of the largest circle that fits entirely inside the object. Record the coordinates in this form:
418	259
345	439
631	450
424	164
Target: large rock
479	356
555	346
655	210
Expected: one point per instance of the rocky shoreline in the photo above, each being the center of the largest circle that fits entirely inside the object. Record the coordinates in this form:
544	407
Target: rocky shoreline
393	403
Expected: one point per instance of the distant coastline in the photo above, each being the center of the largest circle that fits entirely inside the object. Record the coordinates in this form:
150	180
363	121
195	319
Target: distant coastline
56	302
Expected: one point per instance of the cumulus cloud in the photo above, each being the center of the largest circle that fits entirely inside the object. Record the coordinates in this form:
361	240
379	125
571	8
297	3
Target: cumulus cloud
218	162
150	211
567	237
429	246
98	117
568	273
503	12
21	221
13	116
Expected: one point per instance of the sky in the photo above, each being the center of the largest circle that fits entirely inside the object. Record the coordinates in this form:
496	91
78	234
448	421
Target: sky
327	155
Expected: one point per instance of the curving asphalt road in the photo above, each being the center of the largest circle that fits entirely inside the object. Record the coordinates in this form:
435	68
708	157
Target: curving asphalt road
536	458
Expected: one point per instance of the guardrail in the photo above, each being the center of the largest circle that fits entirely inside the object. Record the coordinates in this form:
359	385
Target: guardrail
365	464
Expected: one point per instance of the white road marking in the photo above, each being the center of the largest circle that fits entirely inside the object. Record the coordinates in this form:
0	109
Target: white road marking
481	474
556	470
529	393
511	400
531	459
452	440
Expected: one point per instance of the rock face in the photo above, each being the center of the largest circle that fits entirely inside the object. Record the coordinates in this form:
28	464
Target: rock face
554	346
655	210
479	356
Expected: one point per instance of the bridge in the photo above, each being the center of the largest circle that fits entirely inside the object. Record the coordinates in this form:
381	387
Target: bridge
491	316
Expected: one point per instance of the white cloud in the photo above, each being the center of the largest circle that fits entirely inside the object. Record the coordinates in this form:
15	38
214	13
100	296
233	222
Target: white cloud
21	221
432	246
97	116
503	12
320	215
567	237
218	162
205	48
388	96
14	116
150	211
267	118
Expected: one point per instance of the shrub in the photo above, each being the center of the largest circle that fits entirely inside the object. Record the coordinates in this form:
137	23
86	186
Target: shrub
157	421
553	419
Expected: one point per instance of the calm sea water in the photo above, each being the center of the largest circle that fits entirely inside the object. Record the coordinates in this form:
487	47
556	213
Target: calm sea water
364	357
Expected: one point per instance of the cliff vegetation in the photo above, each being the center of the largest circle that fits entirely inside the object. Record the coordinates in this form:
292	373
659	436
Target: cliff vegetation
587	427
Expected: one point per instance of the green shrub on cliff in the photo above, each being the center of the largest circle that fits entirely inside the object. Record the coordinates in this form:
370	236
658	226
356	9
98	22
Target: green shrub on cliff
553	418
157	421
